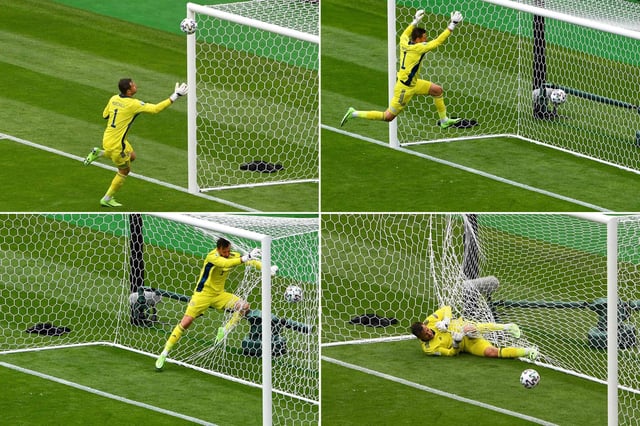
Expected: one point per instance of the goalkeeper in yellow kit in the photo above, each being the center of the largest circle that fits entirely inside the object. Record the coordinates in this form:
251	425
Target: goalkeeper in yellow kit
440	335
210	292
413	47
120	112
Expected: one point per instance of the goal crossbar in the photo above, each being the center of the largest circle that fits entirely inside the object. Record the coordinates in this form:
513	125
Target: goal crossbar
571	19
587	49
298	137
193	8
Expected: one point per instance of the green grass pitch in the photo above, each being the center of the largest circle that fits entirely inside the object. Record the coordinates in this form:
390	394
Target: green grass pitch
125	374
91	304
60	65
395	383
360	176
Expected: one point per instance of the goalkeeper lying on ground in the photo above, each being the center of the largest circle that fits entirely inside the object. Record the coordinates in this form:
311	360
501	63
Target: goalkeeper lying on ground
441	336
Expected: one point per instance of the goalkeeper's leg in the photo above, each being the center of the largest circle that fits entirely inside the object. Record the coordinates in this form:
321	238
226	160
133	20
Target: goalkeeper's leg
401	96
240	308
510	352
368	115
122	160
482	347
116	184
438	100
512	329
491	351
176	334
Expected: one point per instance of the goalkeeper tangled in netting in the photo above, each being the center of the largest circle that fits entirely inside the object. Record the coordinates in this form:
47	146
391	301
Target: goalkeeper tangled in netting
210	292
413	47
440	335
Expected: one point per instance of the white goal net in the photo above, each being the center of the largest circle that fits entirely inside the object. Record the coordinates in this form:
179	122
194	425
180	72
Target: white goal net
505	50
547	273
254	86
125	280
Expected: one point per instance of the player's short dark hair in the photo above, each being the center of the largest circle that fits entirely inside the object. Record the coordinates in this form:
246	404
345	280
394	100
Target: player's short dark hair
416	33
222	243
416	328
124	84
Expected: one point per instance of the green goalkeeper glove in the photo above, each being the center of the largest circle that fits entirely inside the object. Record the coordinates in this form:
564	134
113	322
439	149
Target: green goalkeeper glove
180	90
456	18
418	17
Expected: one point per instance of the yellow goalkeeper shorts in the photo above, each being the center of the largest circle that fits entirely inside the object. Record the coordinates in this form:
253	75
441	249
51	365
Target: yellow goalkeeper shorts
475	346
199	303
121	158
403	94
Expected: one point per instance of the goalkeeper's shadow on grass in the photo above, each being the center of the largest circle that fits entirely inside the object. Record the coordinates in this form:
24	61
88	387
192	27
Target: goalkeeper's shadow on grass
262	166
464	123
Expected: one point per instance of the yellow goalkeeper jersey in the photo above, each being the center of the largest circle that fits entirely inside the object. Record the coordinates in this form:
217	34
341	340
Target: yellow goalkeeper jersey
442	342
216	269
120	112
411	55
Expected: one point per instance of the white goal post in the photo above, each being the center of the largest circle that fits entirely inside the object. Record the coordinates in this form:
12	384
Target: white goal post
125	280
252	71
569	281
506	51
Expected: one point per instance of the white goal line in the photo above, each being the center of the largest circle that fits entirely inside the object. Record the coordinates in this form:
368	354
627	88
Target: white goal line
105	394
437	391
136	175
469	170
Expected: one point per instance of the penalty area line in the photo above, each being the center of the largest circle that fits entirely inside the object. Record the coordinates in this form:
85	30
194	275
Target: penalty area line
106	394
438	392
469	170
136	175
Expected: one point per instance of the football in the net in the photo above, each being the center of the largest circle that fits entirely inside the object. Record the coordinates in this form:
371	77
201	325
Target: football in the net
529	378
188	26
293	294
558	96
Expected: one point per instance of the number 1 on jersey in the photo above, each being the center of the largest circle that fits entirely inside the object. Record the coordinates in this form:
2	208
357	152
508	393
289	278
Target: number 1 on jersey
115	114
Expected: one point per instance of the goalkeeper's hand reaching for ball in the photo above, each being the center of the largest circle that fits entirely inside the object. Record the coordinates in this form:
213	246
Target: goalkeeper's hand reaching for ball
456	18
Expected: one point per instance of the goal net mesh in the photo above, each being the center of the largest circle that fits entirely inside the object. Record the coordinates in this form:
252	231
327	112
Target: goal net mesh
73	270
489	71
546	273
256	95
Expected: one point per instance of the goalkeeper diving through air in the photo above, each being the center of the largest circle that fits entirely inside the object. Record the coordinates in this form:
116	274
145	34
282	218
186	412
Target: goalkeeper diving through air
442	336
210	292
413	47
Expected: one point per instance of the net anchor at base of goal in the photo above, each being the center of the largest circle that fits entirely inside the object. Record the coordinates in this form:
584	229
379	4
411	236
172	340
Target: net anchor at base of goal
252	344
626	332
541	109
597	335
142	306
